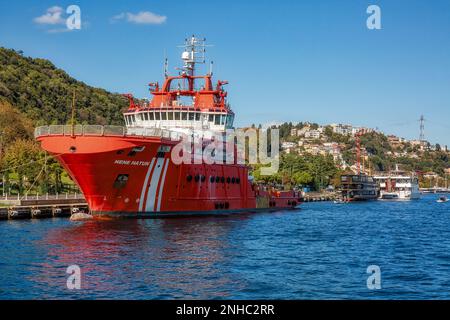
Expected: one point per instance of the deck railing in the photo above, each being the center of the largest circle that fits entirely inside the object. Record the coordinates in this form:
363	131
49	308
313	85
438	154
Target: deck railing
61	196
112	131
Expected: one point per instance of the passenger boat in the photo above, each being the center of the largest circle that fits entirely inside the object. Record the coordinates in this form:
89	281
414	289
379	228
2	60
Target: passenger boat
129	171
359	187
398	185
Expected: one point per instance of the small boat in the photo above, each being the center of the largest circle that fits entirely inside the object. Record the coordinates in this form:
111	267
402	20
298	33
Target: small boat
341	201
442	199
389	196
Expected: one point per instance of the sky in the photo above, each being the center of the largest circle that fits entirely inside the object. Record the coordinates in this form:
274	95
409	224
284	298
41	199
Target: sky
287	60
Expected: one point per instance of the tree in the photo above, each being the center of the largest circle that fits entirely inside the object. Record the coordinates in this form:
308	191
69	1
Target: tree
23	158
303	178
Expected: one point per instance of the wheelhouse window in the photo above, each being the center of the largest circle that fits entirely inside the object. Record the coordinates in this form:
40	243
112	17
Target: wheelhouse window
217	119
211	118
163	116
184	116
177	115
170	115
146	116
152	116
197	116
157	116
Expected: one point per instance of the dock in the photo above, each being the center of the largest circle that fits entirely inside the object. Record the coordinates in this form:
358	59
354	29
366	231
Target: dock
40	207
318	197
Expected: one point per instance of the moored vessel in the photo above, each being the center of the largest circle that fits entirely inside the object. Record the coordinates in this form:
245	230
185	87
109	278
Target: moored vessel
358	187
398	185
130	171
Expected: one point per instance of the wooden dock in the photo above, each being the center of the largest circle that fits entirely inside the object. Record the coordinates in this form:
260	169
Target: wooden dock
39	207
318	197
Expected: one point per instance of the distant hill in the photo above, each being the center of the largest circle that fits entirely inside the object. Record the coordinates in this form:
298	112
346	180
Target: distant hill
43	93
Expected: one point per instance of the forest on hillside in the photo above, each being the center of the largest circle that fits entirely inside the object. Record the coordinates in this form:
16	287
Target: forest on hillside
43	93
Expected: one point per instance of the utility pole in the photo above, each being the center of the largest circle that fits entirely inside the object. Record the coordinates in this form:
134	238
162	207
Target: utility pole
422	128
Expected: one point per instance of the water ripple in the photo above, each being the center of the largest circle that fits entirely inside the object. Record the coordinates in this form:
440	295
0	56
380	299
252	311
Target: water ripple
319	252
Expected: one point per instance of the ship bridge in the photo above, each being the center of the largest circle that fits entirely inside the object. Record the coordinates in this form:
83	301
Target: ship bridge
185	101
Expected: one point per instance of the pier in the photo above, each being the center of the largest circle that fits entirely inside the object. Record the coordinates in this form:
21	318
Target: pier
39	207
318	196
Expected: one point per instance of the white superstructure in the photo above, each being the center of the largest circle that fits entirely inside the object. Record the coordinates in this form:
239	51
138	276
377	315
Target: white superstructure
398	186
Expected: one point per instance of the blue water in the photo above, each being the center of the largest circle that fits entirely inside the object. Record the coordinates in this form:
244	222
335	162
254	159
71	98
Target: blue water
319	252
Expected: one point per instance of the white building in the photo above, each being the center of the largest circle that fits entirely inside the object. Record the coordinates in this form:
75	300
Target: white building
312	134
288	145
344	129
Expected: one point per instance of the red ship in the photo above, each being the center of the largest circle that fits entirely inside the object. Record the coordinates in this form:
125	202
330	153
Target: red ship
128	171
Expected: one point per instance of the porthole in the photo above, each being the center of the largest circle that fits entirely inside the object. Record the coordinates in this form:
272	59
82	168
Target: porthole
189	178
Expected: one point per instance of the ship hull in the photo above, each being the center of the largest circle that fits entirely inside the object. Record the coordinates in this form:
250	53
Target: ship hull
135	177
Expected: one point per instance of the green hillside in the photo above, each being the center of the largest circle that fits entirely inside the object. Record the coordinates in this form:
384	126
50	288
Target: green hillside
43	92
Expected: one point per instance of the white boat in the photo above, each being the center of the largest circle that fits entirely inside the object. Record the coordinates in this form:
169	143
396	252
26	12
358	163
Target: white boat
398	185
442	199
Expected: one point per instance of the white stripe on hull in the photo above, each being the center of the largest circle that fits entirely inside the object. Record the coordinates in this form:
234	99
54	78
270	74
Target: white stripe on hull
161	187
144	186
151	195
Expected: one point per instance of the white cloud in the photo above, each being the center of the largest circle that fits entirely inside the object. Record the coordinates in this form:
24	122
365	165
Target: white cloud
143	17
52	16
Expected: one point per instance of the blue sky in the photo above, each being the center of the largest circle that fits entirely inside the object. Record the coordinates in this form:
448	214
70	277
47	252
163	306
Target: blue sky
310	60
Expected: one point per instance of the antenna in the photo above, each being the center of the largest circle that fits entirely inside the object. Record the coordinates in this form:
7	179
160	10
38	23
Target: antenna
194	52
166	68
211	64
422	128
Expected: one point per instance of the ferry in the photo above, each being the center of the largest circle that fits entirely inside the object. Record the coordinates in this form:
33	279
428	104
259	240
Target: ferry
358	187
398	185
128	171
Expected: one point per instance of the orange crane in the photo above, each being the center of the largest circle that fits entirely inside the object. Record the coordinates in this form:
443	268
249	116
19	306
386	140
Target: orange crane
358	149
